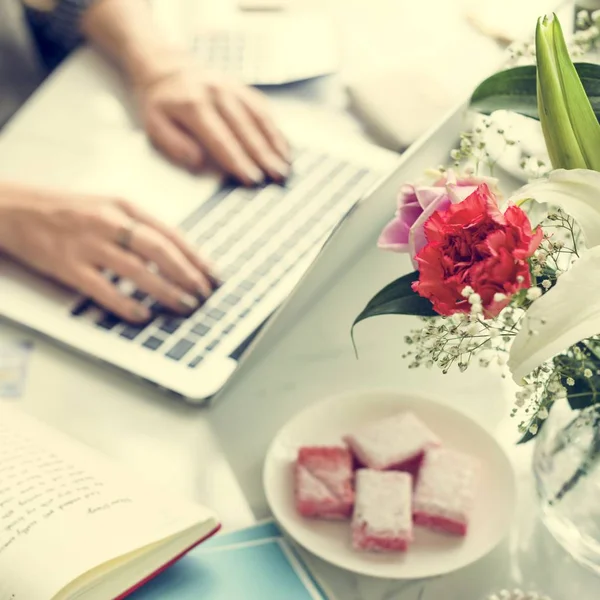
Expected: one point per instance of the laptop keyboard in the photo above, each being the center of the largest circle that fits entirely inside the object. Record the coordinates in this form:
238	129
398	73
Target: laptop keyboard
255	237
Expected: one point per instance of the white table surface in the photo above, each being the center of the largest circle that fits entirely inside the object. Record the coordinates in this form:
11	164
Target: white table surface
215	455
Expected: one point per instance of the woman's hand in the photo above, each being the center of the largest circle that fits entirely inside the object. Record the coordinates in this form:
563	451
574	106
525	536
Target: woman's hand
73	239
189	114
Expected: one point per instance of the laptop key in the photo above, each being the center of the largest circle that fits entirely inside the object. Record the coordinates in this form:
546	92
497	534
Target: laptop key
108	321
196	361
180	349
262	269
200	329
246	284
211	346
81	307
153	343
215	313
231	299
132	331
171	324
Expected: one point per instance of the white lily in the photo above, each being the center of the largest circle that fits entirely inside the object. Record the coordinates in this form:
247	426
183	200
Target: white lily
570	311
576	191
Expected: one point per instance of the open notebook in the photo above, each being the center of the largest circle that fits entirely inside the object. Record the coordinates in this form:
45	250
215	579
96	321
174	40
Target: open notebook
72	525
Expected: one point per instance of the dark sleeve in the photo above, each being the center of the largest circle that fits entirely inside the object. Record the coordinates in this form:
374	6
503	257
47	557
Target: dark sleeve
57	31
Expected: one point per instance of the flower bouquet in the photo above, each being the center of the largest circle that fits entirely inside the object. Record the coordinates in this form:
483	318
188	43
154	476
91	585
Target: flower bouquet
517	280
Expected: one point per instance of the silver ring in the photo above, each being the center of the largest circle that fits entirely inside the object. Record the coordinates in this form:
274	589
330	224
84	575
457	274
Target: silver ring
125	235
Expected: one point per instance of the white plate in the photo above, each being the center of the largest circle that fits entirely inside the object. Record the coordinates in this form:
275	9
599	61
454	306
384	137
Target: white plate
431	553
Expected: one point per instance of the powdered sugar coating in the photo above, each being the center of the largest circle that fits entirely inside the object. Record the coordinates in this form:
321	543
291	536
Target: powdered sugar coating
323	477
444	493
391	442
382	519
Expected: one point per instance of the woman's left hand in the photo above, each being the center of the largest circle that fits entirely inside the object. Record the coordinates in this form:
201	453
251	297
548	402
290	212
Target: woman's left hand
188	114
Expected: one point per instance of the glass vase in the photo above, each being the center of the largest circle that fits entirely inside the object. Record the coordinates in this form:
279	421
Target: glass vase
566	466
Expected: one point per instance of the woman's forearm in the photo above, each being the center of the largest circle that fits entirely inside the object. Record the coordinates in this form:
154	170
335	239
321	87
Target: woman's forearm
126	31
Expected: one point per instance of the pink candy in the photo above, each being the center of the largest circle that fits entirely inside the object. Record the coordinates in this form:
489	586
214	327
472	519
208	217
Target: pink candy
397	442
444	492
382	520
324	482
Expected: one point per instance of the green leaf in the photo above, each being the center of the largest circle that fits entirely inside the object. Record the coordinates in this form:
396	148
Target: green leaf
584	392
515	90
397	298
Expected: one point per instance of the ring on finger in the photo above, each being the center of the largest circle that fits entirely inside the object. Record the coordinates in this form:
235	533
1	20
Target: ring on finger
125	233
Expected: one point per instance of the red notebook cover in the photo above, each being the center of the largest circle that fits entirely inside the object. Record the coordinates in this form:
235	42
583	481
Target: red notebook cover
164	567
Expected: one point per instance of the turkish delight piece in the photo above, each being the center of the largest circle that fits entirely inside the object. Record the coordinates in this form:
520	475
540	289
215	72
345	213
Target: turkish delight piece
444	493
382	520
323	485
396	442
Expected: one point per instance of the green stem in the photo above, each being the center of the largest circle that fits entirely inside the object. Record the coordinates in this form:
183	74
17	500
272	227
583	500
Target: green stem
586	467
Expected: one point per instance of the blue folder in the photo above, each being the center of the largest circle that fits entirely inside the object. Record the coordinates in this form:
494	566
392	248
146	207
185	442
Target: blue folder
251	564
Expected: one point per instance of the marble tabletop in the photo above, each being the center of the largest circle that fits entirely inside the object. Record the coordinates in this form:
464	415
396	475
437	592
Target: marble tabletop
215	455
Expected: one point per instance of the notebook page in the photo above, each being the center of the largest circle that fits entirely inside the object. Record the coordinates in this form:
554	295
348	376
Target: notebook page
65	510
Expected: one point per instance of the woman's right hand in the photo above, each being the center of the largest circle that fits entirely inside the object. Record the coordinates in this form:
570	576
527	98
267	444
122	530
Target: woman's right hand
74	238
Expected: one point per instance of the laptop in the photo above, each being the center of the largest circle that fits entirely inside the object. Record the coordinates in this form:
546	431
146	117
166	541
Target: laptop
262	240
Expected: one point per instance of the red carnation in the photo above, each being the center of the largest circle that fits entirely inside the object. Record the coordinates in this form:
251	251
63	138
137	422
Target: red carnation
474	244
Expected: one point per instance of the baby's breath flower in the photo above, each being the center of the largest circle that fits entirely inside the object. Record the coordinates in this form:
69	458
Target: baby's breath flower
542	413
533	293
476	309
554	386
533	428
570	381
474	299
498	297
537	270
546	284
458	318
467	291
582	19
473	329
588	374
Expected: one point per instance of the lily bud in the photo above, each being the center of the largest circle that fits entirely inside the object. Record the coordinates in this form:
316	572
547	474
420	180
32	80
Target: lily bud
570	127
